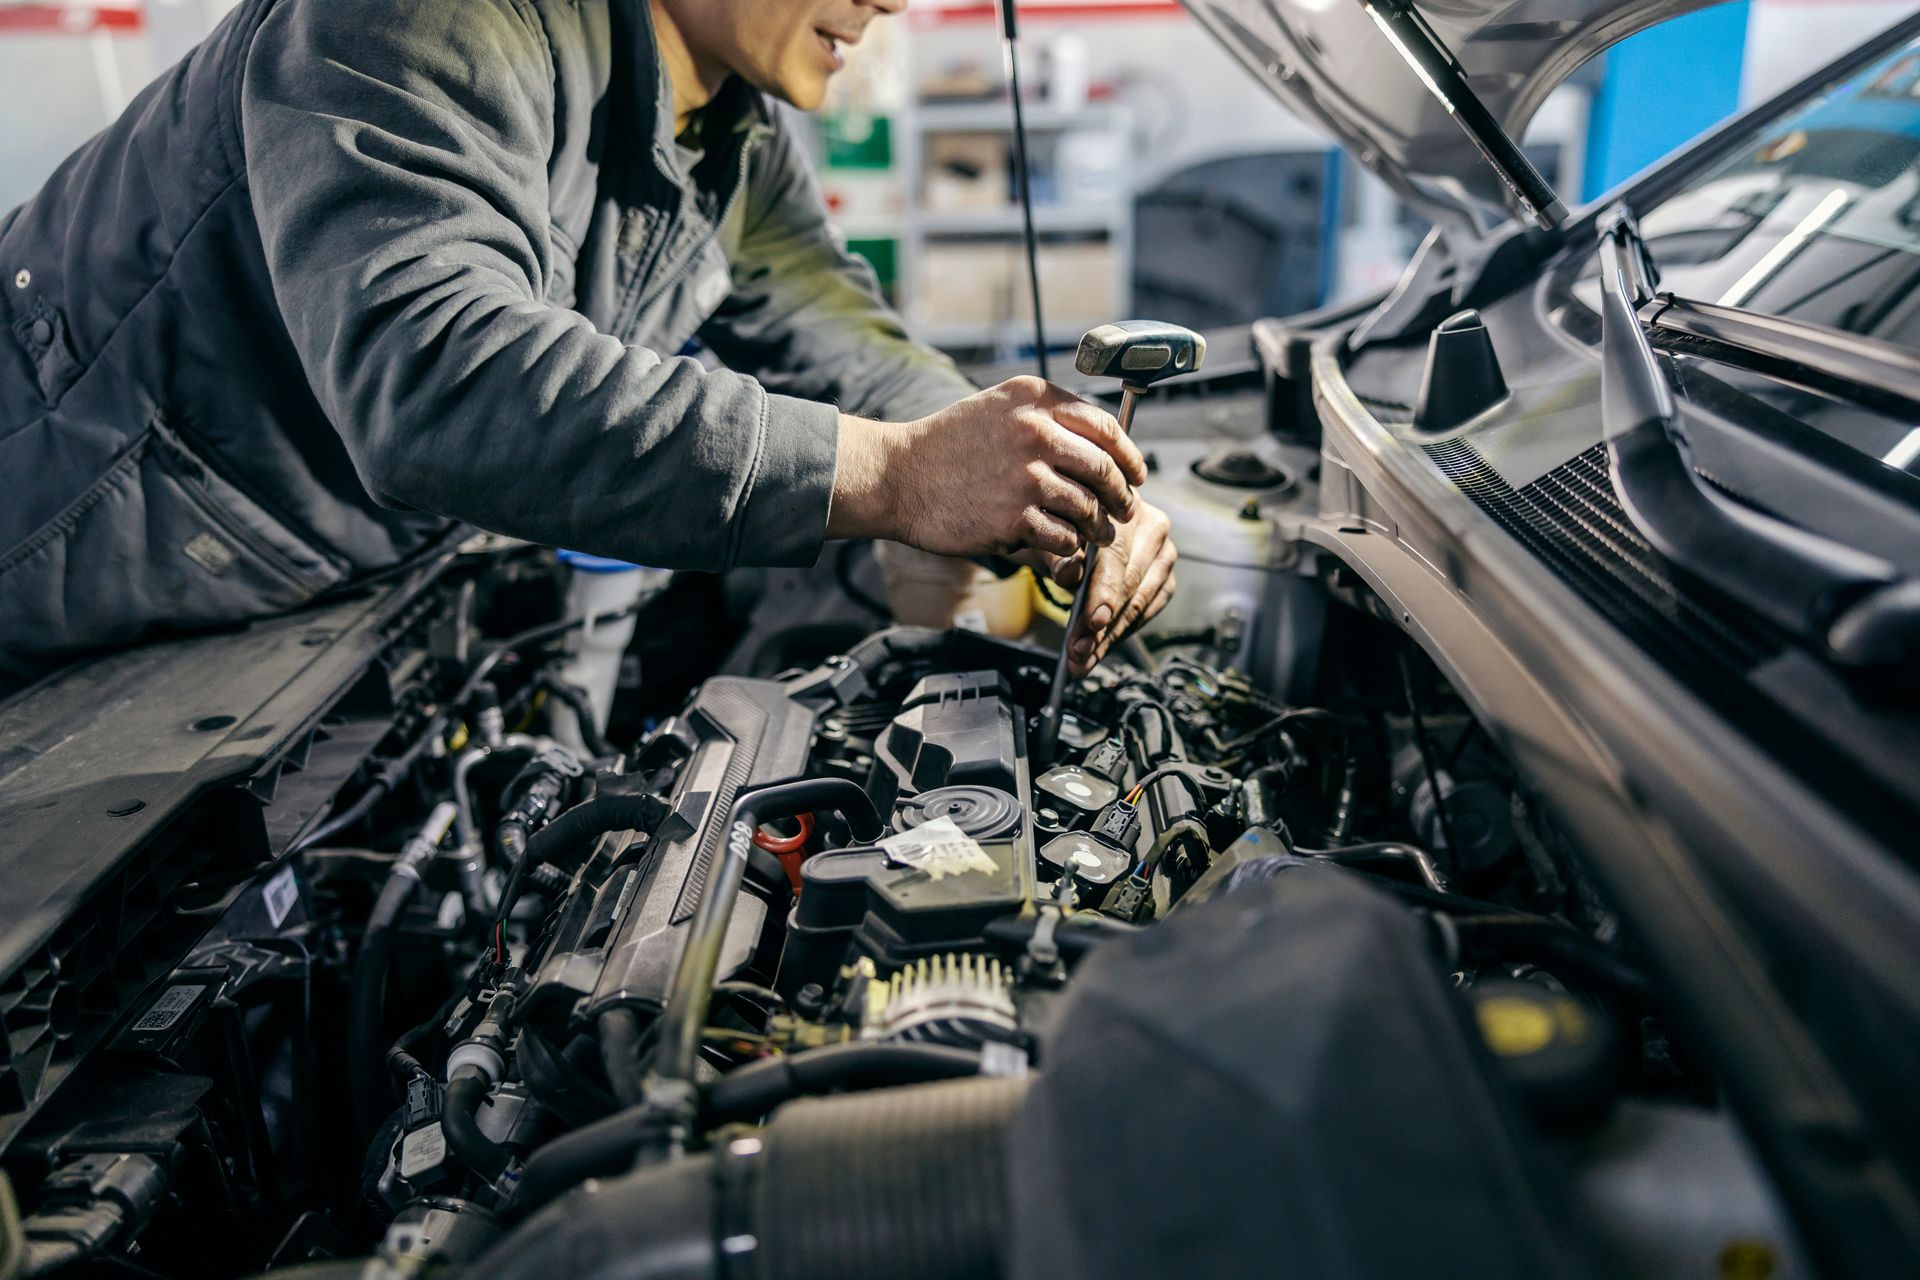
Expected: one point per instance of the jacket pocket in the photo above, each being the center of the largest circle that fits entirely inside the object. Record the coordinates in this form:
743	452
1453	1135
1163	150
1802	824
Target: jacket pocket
157	542
42	331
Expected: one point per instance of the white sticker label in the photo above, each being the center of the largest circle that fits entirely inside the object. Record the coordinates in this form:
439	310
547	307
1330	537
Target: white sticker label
280	895
167	1009
423	1150
940	849
971	620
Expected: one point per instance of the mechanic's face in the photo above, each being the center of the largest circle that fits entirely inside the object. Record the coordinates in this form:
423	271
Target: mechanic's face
789	48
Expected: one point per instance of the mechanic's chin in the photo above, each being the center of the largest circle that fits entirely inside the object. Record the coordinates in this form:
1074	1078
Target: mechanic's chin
802	81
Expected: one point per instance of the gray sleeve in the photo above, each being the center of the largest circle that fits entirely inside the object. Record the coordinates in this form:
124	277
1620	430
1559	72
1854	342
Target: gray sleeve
806	316
397	156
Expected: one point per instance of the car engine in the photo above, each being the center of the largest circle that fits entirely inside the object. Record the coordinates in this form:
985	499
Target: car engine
824	973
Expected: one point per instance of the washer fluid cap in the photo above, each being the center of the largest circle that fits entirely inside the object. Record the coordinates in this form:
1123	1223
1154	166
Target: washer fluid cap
985	813
1238	467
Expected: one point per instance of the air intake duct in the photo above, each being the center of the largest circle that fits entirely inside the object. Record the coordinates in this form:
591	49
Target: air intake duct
865	1186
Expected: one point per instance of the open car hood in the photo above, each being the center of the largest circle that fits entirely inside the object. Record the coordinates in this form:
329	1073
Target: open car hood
1332	62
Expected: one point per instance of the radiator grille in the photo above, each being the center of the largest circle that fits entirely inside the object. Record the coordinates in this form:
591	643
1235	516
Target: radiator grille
1571	520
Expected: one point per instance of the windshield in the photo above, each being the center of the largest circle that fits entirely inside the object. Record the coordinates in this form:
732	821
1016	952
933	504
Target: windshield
1817	220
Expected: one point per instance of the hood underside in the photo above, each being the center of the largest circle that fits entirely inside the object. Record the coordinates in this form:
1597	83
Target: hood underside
1329	61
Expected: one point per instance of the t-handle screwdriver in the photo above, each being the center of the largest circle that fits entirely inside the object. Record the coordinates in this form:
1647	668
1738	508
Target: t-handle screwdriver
1139	353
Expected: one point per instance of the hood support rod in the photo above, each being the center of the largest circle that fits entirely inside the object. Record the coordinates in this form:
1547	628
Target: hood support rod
1446	79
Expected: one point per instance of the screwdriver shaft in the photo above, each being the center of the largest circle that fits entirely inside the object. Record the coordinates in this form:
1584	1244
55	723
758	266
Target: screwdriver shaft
1049	738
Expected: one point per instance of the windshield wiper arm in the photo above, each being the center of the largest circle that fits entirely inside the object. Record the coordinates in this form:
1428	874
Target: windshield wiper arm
1854	361
1855	609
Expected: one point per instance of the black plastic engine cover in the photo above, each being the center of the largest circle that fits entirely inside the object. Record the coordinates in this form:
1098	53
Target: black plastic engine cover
956	728
1278	1074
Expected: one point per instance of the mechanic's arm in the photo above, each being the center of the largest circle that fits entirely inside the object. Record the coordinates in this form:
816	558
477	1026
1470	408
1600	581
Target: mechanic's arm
397	156
808	315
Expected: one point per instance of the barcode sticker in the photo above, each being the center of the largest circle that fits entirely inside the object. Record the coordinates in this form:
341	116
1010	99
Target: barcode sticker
940	849
167	1009
280	894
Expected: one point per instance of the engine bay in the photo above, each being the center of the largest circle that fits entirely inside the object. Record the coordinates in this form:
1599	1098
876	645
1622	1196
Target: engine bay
824	972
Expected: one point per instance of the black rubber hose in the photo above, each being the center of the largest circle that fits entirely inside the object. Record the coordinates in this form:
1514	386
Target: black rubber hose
685	1014
576	701
569	835
391	772
603	1149
460	1125
759	1087
1389	853
1552	946
558	1085
367	1004
620	1054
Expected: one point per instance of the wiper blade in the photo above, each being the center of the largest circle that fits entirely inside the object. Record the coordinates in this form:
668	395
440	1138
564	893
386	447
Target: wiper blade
1855	609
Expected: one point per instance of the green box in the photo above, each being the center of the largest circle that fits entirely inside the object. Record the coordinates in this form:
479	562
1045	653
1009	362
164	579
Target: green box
856	141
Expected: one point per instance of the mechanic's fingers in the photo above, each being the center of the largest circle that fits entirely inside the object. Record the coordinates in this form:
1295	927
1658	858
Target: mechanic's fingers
1044	563
1105	597
1097	425
1067	569
1041	530
1074	457
1156	588
1072	502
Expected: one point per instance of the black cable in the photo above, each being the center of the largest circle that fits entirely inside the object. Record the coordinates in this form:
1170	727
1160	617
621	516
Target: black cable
532	635
576	701
1064	603
1426	754
1186	828
1174	773
391	772
1172	744
843	574
1010	39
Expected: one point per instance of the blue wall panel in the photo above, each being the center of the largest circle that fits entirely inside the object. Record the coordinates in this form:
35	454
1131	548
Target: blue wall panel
1661	88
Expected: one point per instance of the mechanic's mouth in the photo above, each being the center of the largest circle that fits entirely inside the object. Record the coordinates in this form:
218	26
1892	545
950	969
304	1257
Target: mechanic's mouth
833	43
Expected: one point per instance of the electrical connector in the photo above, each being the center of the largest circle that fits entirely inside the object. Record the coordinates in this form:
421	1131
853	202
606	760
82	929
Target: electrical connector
1131	900
1108	759
1118	825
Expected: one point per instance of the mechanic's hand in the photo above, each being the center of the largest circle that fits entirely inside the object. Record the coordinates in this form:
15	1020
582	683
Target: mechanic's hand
1132	581
1023	469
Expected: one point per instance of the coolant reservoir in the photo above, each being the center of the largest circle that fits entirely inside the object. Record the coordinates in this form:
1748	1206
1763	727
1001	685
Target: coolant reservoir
1240	575
926	590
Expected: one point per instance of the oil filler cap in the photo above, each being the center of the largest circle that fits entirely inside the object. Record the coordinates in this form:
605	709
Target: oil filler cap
984	813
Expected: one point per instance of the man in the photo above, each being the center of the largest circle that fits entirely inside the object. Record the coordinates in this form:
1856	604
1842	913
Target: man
357	269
